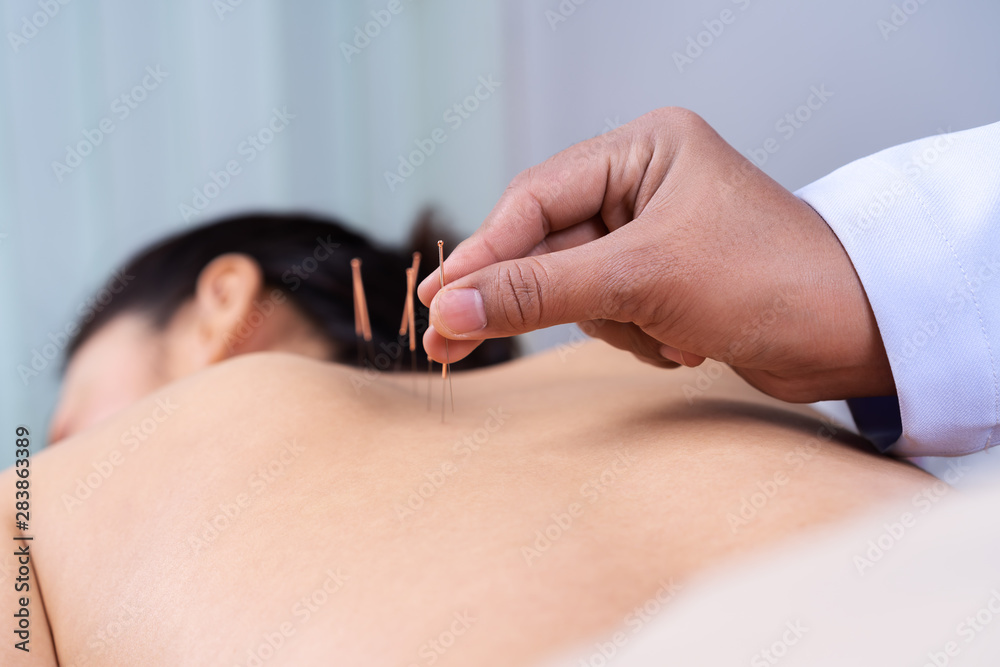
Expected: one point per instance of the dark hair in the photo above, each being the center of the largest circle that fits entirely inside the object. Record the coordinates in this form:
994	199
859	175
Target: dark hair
307	257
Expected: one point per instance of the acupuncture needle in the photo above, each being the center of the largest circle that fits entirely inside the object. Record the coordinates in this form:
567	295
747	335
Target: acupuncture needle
411	282
430	377
445	372
359	287
413	316
404	324
356	284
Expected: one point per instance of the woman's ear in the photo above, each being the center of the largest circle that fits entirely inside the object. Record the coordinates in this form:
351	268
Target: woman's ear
224	296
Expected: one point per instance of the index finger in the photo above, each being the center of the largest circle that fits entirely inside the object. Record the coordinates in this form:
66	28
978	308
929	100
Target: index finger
567	189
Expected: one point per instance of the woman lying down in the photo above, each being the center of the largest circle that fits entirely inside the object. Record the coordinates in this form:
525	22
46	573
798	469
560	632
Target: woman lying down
229	488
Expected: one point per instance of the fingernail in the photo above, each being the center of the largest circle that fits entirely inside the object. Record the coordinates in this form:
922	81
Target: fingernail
680	357
672	354
461	310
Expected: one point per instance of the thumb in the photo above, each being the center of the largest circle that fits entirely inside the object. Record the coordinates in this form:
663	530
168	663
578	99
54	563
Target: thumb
516	296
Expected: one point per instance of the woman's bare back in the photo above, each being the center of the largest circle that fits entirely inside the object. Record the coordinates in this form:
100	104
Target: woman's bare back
275	510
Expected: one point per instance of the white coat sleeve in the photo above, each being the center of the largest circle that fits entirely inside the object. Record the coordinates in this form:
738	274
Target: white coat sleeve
921	223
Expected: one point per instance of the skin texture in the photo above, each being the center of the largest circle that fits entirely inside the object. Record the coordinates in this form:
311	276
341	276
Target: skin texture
681	250
242	489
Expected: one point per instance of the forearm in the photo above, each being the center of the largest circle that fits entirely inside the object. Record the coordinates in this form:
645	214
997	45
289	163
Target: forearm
921	223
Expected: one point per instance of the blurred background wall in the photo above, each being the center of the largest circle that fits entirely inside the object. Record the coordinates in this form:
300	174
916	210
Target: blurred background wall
118	119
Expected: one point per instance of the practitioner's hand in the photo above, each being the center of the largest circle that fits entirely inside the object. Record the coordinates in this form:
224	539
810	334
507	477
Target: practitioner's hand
671	245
